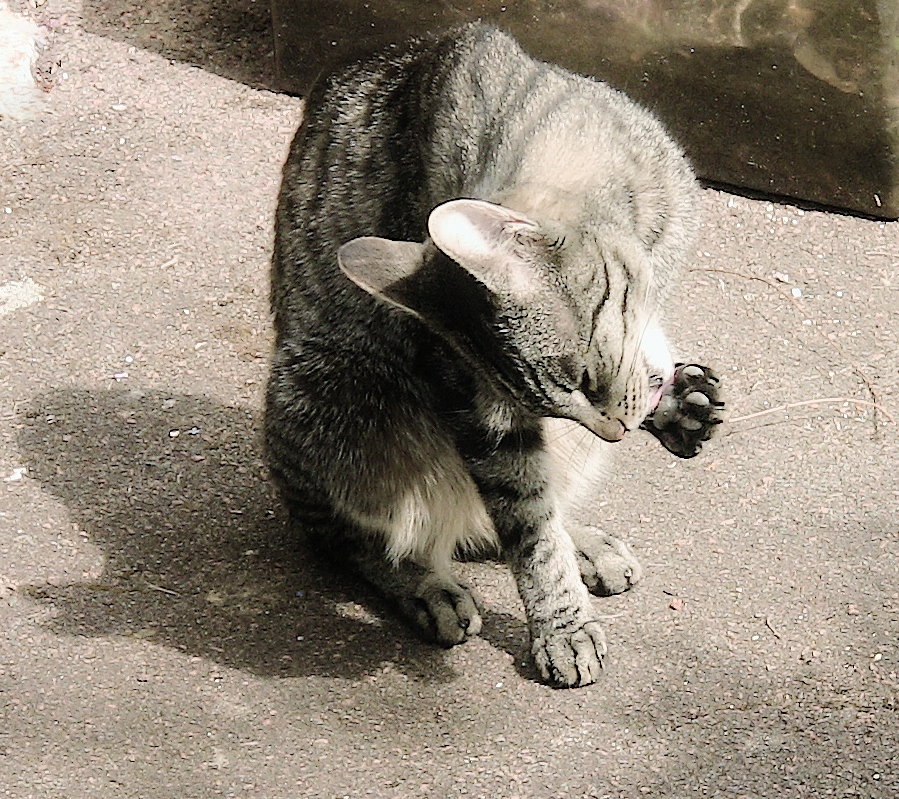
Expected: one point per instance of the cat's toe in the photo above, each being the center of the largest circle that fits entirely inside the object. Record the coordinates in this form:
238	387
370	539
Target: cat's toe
570	659
446	611
688	411
606	563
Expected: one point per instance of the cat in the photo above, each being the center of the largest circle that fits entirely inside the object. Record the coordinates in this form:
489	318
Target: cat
471	251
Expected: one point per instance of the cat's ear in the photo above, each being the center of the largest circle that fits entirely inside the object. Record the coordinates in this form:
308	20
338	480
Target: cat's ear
381	266
489	241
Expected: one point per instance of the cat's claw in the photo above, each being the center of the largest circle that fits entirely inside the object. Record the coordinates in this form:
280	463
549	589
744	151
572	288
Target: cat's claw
569	659
688	411
606	563
445	611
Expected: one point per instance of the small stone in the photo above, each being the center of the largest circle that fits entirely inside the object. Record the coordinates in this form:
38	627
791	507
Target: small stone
17	475
676	603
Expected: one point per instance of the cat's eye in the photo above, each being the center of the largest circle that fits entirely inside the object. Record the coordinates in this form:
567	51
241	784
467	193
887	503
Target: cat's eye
655	381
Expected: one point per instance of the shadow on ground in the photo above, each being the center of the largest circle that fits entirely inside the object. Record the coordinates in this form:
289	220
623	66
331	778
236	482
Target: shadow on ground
231	38
173	490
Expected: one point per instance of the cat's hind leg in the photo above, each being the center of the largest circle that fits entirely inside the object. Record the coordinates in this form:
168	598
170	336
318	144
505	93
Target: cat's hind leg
440	607
404	550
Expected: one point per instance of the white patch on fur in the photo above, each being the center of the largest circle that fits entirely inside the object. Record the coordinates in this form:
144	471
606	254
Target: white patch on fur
656	352
441	512
658	361
20	97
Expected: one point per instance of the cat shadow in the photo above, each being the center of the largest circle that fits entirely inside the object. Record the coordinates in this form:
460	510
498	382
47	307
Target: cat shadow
197	552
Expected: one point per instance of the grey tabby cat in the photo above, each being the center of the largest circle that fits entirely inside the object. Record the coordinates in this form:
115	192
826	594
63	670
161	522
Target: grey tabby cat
432	397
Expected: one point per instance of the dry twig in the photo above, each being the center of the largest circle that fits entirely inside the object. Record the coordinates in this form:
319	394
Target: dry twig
790	405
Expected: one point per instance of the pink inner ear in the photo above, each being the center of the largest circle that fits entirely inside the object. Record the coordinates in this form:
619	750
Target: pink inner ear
473	229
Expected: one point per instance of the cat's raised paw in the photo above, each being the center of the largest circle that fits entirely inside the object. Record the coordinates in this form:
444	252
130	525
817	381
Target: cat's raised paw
445	611
606	563
569	659
688	411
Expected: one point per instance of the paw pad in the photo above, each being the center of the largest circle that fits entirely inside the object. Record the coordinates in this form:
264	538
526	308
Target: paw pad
688	411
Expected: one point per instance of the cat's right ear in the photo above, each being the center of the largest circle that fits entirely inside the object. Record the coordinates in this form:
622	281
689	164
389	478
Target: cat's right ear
490	242
382	267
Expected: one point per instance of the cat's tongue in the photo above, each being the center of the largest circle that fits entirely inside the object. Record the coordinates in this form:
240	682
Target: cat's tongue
660	392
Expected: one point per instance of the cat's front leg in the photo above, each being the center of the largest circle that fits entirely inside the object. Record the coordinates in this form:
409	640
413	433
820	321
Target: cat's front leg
568	643
579	463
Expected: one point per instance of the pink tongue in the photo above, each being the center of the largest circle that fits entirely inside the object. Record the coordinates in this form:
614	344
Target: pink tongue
660	392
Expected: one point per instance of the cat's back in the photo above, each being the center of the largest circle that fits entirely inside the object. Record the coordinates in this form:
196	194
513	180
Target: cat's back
382	142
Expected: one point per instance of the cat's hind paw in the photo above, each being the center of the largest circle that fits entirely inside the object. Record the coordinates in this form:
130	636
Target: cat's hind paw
444	610
569	659
688	411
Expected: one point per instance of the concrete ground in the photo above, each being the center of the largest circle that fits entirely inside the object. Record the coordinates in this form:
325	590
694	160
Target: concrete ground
161	636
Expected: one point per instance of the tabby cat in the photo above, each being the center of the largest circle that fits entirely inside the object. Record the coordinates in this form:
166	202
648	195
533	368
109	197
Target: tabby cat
471	251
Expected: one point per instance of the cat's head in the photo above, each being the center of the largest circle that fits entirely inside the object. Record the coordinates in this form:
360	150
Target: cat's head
565	325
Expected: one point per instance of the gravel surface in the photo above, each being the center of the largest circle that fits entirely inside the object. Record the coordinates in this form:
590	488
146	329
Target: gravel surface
160	635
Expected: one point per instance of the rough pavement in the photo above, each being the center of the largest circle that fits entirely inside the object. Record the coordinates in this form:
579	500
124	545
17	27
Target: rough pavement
161	636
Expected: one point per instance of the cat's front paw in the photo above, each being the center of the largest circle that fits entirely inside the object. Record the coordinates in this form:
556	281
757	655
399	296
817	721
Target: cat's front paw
445	611
606	563
570	659
688	411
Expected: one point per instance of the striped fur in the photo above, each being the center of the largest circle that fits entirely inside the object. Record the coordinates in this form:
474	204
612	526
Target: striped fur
471	248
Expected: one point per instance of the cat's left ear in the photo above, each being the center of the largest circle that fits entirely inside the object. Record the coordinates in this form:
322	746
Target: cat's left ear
382	267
